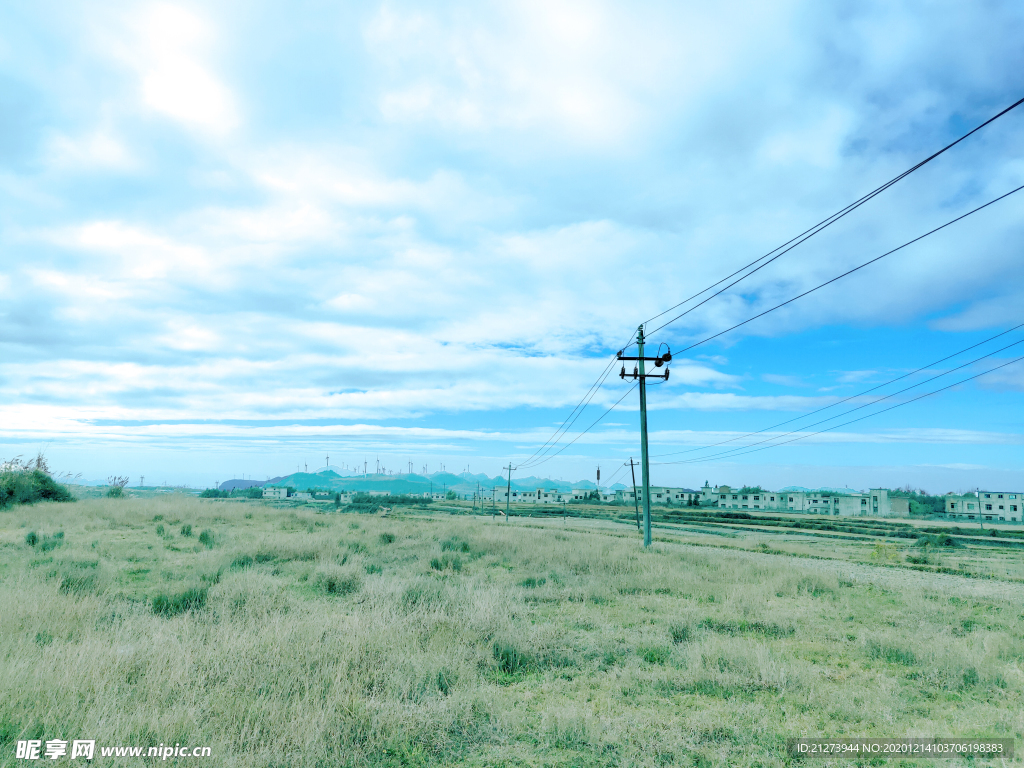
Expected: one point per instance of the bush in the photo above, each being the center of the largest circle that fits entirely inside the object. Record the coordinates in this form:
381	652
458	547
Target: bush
160	530
32	538
387	538
454	544
186	530
172	605
27	483
206	538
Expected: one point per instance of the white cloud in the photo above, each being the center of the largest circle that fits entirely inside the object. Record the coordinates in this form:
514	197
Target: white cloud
99	149
168	47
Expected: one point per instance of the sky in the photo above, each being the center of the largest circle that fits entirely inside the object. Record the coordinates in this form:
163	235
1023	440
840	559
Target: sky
240	238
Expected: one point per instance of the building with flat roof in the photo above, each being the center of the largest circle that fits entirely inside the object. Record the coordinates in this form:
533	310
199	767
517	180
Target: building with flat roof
986	506
876	502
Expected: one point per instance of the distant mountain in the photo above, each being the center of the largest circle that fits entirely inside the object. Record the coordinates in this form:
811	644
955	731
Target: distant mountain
438	482
232	485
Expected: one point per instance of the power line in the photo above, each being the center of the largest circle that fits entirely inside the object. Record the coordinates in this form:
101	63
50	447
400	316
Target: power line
873	402
851	271
576	412
845	399
854	421
779	251
825	223
581	434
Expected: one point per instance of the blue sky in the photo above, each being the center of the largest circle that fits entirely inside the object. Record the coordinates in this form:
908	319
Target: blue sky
236	237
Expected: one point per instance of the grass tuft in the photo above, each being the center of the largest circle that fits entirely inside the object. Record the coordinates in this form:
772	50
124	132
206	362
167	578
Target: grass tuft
173	605
891	654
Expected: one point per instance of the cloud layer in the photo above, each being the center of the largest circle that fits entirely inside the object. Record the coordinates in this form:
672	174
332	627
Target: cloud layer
447	219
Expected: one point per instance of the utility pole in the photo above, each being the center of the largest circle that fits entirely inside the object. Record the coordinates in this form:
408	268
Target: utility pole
636	504
142	481
641	375
508	494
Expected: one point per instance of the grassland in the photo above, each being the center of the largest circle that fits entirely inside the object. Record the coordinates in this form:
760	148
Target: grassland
290	637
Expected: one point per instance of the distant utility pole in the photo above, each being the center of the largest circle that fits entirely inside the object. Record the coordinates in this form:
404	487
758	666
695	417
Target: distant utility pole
636	504
640	375
142	481
508	493
328	461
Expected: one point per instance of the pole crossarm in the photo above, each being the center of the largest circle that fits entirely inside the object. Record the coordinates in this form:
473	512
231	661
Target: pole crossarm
638	370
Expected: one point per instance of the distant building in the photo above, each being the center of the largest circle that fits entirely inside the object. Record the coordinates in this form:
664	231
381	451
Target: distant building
659	495
986	506
875	503
275	493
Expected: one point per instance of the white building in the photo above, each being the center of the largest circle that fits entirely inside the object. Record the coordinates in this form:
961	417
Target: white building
275	493
660	495
987	506
875	503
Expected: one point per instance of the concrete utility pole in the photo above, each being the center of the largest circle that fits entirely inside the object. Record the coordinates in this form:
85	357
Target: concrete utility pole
508	494
636	503
641	375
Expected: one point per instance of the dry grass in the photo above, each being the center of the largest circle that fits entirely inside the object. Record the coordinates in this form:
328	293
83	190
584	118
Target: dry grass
353	640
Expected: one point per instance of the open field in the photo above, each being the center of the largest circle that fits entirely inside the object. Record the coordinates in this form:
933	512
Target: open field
288	637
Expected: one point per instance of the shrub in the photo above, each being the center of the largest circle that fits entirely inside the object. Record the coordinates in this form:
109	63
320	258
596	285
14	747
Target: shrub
531	582
32	538
29	482
206	538
186	530
173	605
387	538
160	530
116	489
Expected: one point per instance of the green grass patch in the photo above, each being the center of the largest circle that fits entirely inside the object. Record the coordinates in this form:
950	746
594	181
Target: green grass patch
763	628
181	602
